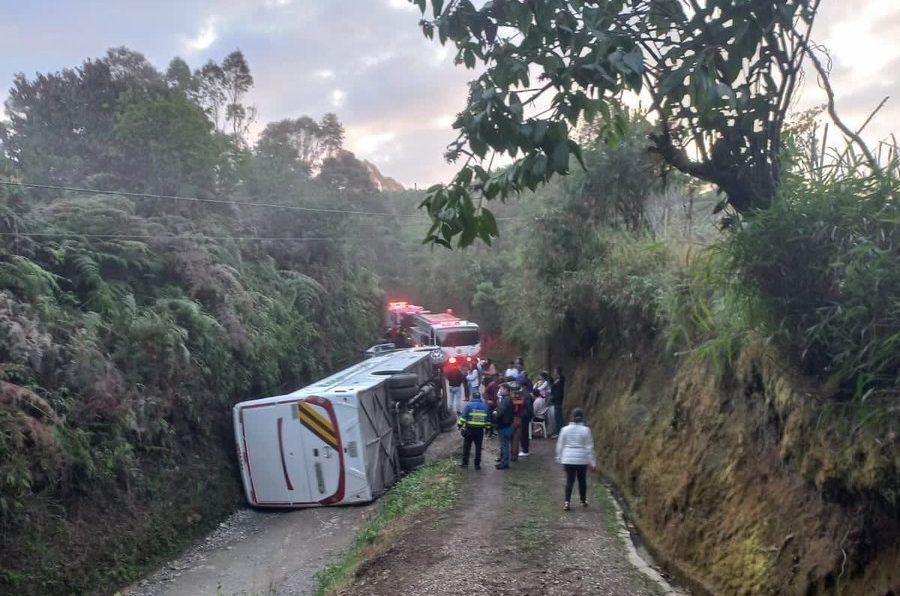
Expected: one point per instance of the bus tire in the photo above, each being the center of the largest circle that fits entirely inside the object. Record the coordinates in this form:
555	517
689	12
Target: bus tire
411	463
402	381
412	449
448	424
403	394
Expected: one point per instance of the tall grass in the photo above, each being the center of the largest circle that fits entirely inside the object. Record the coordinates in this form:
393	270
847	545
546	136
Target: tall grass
428	489
825	260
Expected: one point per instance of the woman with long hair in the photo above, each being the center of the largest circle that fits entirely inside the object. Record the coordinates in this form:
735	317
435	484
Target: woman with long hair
575	451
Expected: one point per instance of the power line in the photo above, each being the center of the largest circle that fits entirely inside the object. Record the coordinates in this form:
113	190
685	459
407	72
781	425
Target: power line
164	237
144	195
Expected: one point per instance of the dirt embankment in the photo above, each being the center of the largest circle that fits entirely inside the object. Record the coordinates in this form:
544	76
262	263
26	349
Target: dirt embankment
746	481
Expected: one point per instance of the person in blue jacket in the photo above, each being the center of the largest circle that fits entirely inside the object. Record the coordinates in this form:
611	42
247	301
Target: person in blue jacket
474	419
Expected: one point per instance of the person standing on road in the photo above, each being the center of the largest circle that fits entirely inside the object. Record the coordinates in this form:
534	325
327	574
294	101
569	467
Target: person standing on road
518	400
541	408
503	419
455	380
490	400
558	390
473	378
474	419
526	415
575	451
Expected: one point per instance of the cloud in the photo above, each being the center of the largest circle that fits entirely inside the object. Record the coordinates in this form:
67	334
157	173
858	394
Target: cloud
395	91
368	144
401	5
206	36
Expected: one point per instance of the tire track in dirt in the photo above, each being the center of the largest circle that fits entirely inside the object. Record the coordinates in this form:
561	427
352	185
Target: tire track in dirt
507	536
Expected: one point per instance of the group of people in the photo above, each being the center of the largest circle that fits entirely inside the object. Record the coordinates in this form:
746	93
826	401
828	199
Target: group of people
511	402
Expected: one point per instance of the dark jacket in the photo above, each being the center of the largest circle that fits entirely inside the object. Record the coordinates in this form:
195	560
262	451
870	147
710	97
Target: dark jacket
527	412
558	390
505	412
455	377
490	393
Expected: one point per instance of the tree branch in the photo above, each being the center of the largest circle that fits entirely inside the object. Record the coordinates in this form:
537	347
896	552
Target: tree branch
825	83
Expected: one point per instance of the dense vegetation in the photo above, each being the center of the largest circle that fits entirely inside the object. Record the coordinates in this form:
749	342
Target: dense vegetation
133	319
132	322
611	252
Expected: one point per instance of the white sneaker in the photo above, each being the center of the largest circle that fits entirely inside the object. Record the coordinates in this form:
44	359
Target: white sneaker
523	454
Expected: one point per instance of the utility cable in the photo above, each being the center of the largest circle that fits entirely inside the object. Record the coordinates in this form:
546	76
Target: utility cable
163	236
144	195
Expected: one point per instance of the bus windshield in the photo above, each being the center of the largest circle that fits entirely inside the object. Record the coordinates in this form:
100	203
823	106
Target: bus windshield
453	338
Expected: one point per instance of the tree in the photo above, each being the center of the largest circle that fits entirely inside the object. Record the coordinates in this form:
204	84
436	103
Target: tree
237	81
210	91
331	132
720	75
345	172
178	76
133	68
302	140
166	143
60	125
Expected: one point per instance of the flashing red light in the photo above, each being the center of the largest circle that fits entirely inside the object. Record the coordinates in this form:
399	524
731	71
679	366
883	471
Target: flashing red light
452	360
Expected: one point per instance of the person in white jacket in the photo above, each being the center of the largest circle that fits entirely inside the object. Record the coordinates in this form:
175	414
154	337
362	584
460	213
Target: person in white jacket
575	451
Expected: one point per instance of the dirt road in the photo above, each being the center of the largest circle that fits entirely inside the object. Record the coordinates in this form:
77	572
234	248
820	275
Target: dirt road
509	535
265	552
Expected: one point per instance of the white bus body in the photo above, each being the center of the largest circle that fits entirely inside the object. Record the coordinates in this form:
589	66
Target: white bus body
332	442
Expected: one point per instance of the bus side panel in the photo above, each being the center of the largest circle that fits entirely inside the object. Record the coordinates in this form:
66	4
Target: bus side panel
274	476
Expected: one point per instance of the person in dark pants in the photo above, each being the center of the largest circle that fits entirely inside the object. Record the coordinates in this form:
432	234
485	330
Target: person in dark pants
558	390
473	421
526	414
455	381
503	419
490	400
575	451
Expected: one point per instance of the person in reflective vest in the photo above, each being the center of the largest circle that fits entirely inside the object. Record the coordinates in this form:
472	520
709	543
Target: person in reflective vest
474	419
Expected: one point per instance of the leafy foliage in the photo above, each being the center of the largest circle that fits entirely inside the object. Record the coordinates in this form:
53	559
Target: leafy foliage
824	257
130	325
720	75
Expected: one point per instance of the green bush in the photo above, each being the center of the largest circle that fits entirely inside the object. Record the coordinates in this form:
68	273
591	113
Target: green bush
824	259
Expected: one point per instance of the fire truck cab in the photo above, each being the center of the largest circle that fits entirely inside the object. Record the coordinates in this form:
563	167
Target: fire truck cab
398	320
459	340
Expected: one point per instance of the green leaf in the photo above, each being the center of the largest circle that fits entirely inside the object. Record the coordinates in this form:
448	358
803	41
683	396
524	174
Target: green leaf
489	222
560	157
436	5
469	58
576	151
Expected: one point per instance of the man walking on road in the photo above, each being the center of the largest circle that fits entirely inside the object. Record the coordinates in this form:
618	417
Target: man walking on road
473	421
503	419
455	380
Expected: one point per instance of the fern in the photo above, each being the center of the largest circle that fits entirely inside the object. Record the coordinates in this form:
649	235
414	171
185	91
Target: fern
27	278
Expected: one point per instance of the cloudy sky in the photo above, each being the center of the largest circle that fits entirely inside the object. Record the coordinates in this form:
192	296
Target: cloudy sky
366	60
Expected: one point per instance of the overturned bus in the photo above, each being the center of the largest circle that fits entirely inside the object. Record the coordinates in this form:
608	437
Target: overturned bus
346	438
